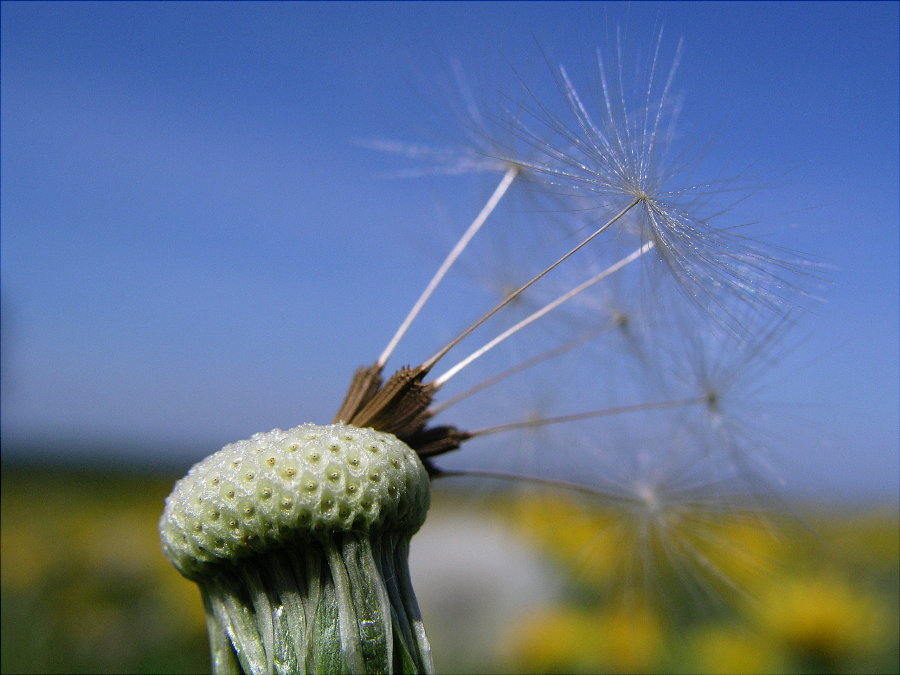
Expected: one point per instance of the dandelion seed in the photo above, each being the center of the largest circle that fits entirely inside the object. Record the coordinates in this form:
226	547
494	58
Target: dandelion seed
508	177
620	154
543	311
312	576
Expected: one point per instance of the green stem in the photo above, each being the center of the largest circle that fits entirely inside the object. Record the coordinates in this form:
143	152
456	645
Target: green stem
339	604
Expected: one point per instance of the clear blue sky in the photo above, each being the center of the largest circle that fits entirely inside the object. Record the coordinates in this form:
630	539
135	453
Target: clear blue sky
191	235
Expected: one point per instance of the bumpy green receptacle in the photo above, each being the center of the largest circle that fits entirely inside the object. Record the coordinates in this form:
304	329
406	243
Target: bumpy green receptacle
299	542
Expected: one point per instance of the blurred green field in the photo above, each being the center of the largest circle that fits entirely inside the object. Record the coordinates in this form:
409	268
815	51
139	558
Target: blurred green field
86	590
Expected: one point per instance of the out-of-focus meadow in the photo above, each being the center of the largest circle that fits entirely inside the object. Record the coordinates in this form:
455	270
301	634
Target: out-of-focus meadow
86	589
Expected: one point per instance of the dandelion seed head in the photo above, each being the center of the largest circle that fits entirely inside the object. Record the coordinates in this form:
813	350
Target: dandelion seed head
632	401
618	146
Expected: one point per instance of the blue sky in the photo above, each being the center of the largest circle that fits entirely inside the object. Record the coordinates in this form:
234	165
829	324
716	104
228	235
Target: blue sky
196	247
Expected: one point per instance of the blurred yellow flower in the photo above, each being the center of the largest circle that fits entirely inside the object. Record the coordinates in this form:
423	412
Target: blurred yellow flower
822	620
629	640
581	537
732	650
567	640
745	550
553	640
27	556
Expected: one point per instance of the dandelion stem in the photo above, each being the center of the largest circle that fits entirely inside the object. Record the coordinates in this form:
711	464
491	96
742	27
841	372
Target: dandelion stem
427	365
442	379
603	412
489	207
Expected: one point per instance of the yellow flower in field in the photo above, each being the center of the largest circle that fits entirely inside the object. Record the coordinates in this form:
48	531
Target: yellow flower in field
553	640
821	619
744	550
866	539
587	543
730	651
179	600
628	640
26	557
566	640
